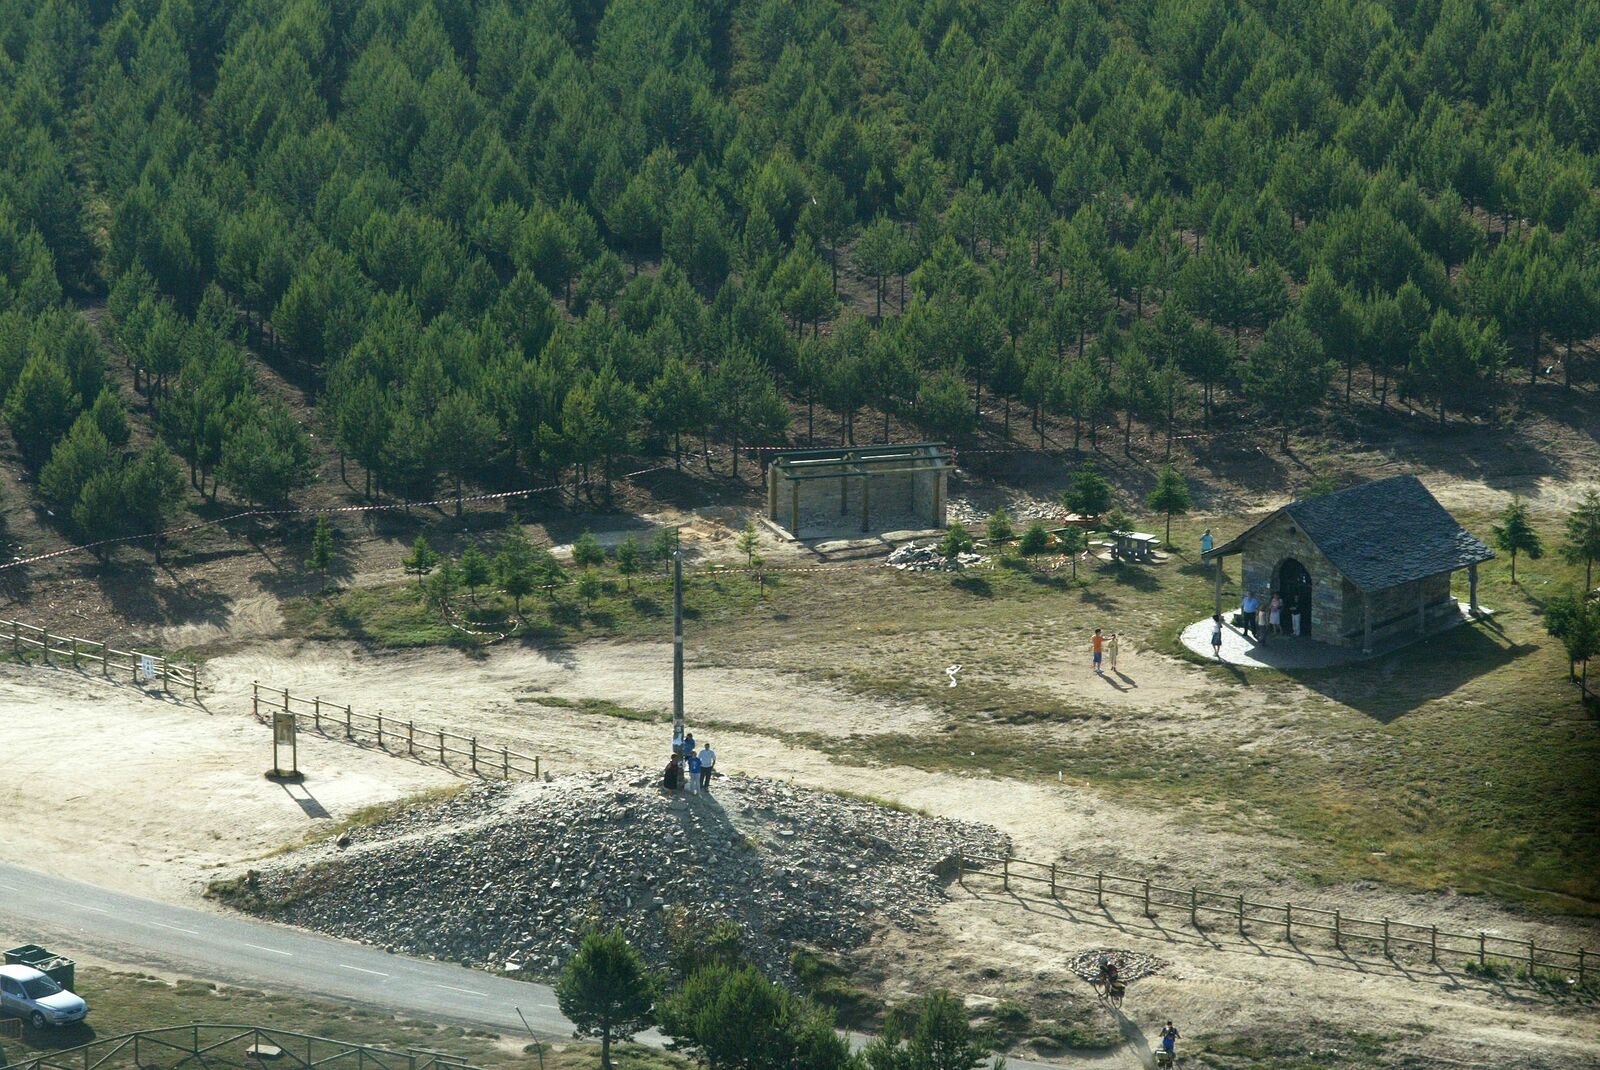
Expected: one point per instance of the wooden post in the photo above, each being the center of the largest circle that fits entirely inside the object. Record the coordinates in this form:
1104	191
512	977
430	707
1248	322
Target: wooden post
255	700
1338	939
286	700
1581	967
442	760
961	862
1241	915
1052	880
1483	959
1433	944
194	682
536	777
1147	897
166	677
74	653
1288	922
1194	908
349	731
316	712
380	731
1005	874
45	645
16	639
1530	960
134	665
1472	588
105	663
505	765
474	754
411	741
1386	953
1100	890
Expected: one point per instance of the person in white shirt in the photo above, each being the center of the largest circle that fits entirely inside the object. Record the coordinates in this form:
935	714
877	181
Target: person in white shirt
708	761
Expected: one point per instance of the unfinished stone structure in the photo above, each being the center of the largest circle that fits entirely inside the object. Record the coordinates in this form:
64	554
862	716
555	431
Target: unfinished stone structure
1364	565
820	492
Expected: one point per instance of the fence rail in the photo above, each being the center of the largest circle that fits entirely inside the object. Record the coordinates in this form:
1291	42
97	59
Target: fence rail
391	734
1286	918
209	1045
25	638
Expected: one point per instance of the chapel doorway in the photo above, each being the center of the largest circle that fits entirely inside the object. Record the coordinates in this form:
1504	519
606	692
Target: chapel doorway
1294	587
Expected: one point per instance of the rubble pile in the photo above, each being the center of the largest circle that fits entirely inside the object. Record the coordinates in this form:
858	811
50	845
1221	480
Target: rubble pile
509	876
925	557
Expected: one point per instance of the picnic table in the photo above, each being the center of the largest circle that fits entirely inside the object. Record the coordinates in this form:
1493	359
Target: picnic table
1133	546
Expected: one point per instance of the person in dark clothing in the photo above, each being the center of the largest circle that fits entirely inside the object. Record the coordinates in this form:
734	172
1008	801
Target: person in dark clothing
672	779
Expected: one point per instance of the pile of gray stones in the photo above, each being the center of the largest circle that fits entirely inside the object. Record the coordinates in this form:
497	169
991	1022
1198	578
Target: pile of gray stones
509	876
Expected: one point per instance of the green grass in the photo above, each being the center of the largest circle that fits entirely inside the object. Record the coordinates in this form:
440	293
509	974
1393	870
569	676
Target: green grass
828	979
1308	1046
599	707
122	1002
395	615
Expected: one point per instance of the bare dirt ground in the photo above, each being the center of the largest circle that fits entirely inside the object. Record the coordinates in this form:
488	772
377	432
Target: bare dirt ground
151	796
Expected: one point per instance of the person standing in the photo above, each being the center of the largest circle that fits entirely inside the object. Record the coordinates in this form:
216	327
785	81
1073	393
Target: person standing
688	743
708	762
1206	542
1111	649
672	779
1275	615
1169	1040
694	773
1261	619
1216	636
1294	620
1098	644
1247	613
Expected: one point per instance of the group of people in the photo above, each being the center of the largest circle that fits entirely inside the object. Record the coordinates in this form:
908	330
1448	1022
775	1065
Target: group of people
1260	616
691	767
1104	648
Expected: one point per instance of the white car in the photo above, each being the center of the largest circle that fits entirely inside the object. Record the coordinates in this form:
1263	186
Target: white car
28	993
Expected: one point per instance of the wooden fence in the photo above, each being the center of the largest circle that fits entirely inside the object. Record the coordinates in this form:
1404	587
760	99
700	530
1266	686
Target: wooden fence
114	663
392	734
207	1046
1287	919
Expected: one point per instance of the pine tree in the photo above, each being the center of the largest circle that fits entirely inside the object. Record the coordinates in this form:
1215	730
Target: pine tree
748	541
1582	545
321	557
606	991
421	560
586	552
475	571
628	559
1515	534
1170	497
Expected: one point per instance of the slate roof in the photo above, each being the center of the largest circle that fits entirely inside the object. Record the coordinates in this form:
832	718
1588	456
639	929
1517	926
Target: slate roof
1379	534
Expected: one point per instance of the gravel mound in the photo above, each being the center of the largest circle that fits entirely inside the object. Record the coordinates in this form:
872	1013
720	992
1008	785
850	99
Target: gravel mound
925	557
508	876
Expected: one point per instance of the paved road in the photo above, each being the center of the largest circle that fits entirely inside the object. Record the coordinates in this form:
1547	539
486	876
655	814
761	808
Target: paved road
36	908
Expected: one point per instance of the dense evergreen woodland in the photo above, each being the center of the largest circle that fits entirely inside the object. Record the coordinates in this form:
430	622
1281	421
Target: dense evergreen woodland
514	240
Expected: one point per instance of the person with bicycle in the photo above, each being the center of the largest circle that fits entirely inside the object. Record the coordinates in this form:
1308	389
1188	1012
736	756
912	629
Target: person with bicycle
1169	1042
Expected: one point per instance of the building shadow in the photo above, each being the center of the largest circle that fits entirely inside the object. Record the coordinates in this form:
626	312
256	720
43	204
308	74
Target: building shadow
1391	685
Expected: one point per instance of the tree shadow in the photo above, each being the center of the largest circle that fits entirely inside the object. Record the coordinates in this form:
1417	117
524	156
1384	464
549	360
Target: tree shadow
1387	687
133	593
1137	577
975	585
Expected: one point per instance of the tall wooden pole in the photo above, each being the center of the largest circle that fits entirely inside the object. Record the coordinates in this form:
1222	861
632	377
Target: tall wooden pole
677	646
